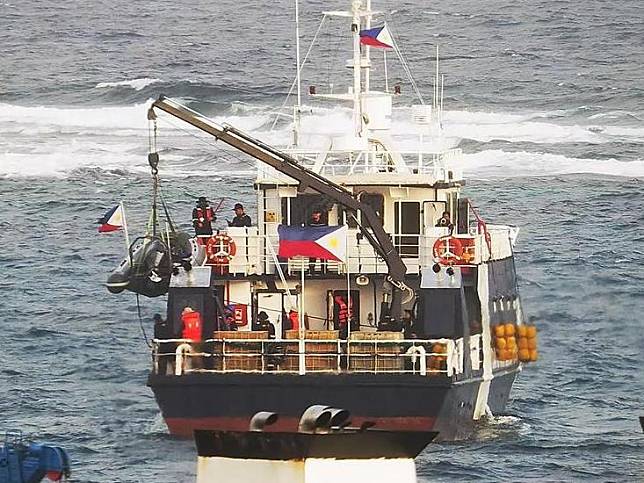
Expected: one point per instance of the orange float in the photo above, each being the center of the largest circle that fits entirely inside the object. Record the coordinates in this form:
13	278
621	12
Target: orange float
499	330
509	329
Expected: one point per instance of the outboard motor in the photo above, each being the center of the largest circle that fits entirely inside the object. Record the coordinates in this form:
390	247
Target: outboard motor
30	462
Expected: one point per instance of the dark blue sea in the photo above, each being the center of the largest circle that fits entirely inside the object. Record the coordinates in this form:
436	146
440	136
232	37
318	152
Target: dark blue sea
547	96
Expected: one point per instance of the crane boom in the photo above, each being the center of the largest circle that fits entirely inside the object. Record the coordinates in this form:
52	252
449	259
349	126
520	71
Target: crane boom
286	164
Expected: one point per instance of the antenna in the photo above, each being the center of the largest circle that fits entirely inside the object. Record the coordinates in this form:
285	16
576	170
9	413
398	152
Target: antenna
440	113
297	53
298	109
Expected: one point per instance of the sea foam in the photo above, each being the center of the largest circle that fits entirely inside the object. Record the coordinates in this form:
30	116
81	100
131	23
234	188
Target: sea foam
136	84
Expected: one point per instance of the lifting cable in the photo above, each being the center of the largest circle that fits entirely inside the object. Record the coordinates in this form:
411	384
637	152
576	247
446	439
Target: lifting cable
138	310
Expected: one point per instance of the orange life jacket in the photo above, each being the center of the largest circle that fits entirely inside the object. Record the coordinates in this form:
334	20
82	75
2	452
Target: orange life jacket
344	311
205	213
295	320
191	326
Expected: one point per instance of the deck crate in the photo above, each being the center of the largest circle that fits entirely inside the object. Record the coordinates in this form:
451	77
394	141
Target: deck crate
316	358
375	356
239	357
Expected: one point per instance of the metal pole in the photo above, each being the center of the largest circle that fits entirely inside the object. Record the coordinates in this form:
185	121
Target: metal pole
280	272
125	232
302	362
384	58
367	56
355	30
349	307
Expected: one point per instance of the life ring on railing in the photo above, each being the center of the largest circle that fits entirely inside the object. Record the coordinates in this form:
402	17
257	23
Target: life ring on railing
447	250
220	249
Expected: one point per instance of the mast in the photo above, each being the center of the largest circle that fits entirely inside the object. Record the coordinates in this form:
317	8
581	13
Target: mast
367	50
355	31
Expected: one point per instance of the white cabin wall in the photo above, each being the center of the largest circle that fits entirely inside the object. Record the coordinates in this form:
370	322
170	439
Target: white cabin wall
271	303
319	308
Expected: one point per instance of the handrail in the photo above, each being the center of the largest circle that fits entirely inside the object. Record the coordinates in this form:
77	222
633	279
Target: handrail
404	356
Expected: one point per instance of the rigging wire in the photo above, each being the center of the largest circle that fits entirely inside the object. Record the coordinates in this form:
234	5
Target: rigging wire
403	61
138	310
306	56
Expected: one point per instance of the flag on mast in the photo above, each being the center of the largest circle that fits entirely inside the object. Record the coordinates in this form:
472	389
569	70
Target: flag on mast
112	220
322	242
378	37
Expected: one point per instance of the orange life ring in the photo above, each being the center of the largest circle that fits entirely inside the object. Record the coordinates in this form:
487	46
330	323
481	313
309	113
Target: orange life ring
447	250
220	249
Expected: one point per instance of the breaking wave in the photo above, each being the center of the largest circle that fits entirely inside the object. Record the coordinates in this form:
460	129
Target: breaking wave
54	141
523	163
136	84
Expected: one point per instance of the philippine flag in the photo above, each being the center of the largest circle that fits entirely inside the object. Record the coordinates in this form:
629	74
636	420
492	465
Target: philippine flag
323	242
377	37
112	220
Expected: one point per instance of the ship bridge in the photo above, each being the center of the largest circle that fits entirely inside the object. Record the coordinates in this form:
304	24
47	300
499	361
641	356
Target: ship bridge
408	199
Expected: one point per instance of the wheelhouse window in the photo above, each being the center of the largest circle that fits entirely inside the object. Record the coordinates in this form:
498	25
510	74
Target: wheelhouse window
298	211
375	200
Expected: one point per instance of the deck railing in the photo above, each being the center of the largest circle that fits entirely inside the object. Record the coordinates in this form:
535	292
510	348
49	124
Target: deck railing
424	357
255	256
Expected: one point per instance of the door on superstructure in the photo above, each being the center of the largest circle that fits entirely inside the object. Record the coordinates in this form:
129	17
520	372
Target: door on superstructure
407	228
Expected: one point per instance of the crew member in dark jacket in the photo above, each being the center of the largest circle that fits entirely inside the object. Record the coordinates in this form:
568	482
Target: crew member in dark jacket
241	219
445	221
316	220
263	324
163	331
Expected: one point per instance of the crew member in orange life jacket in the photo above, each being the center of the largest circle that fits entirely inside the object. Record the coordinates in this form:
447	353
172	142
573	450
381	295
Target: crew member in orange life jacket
344	314
202	217
191	324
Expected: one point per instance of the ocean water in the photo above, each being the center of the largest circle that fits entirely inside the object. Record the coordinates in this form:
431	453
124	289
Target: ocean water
548	98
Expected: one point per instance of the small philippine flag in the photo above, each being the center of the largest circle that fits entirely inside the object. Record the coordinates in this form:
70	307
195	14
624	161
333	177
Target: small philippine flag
112	220
377	37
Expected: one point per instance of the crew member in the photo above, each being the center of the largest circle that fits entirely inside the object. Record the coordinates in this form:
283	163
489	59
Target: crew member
445	221
165	350
408	324
343	315
202	217
241	219
229	318
191	324
316	220
264	324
